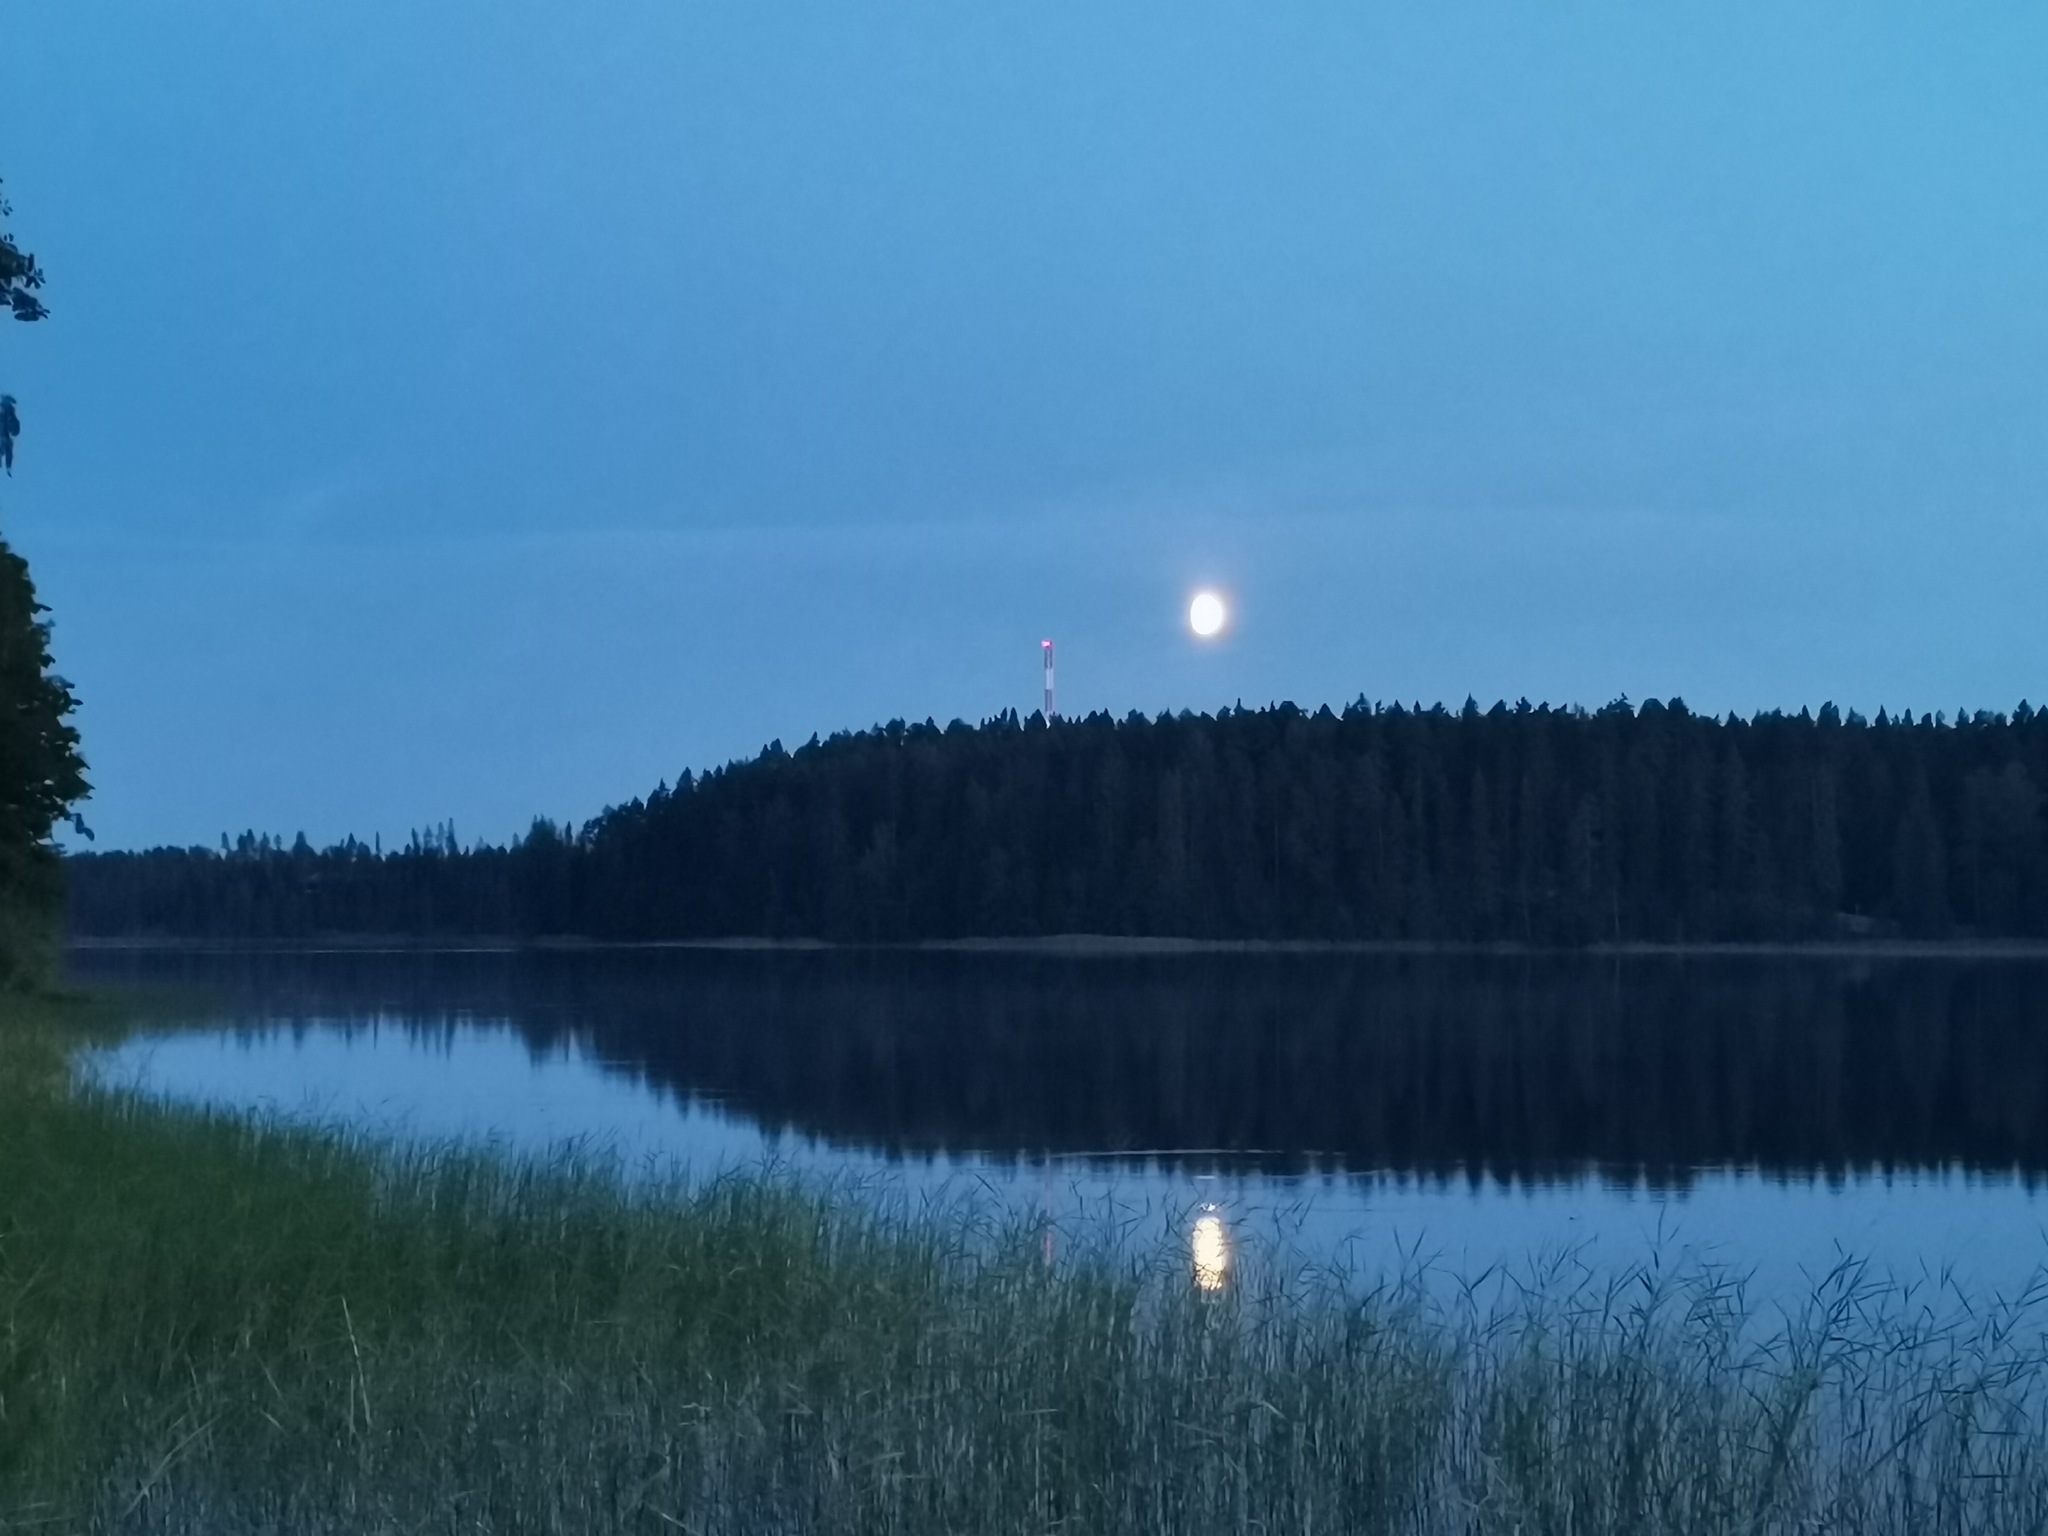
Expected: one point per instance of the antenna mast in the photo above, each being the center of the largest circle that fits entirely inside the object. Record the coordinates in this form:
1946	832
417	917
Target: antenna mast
1052	711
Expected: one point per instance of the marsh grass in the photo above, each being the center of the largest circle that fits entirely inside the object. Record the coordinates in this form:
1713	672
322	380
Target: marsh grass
211	1325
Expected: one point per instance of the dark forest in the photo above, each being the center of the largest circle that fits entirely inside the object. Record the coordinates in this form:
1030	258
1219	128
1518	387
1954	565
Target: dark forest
1518	824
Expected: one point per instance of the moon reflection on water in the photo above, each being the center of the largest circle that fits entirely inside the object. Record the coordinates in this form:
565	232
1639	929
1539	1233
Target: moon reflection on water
1209	1246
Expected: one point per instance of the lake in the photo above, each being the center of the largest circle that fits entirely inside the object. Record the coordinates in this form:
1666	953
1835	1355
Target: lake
1766	1116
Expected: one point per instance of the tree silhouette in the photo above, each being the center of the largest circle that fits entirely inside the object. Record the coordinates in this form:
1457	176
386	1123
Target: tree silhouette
41	773
1521	824
20	280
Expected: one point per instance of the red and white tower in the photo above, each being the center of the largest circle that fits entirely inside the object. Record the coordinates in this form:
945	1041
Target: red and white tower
1052	711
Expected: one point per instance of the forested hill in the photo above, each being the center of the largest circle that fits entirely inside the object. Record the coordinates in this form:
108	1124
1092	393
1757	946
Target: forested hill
1517	823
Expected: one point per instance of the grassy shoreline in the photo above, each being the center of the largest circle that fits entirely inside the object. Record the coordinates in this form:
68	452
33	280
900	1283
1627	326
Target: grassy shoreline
212	1325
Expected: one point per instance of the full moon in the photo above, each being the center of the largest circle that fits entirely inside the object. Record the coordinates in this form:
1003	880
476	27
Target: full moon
1206	614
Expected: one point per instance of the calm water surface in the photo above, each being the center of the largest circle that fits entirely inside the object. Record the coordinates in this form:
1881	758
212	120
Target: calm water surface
1766	1116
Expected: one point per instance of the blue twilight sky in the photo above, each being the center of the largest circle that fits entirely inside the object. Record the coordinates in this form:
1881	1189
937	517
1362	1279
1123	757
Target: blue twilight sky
474	409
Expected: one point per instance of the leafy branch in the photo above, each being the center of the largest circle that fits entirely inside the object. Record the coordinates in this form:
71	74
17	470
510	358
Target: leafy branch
20	278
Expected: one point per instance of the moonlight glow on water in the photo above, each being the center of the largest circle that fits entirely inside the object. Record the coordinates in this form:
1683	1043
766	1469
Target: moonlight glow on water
1209	1245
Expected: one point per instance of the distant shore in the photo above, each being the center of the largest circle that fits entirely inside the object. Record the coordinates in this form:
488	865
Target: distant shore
1089	945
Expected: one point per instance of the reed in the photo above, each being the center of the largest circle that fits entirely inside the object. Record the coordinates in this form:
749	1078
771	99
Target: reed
213	1325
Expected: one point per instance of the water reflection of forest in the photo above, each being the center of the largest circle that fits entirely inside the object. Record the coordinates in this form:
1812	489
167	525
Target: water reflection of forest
1533	1067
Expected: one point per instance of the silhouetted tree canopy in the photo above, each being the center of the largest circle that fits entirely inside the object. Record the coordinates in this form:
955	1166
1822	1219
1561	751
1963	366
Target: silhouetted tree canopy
41	773
20	277
1521	823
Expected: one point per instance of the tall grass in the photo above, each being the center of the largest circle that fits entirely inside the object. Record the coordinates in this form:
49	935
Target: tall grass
215	1326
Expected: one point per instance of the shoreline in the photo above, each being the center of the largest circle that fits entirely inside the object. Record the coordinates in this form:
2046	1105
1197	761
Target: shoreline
1085	946
430	1339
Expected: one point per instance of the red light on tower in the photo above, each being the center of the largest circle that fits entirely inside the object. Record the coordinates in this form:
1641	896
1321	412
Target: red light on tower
1052	712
